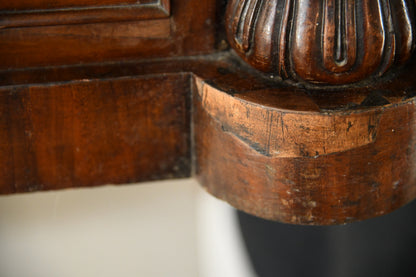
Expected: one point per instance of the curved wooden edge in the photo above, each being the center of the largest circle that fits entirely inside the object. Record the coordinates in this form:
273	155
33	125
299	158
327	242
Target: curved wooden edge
303	165
271	149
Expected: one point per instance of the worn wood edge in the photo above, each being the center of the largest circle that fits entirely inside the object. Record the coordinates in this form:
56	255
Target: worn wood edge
84	15
265	129
209	72
258	193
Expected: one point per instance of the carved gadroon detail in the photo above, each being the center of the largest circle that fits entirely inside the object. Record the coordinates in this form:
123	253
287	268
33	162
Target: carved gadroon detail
332	42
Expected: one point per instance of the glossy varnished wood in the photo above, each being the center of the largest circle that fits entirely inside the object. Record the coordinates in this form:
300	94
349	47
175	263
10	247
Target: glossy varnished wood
324	42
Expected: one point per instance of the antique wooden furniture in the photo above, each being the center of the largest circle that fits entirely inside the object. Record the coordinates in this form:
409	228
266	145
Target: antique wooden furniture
301	111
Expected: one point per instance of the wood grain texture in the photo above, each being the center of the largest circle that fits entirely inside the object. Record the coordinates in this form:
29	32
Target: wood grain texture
43	13
305	167
59	4
94	132
142	94
279	151
323	42
97	124
87	43
190	30
278	133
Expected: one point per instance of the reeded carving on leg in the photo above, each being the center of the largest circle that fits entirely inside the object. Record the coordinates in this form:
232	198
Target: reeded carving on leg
322	41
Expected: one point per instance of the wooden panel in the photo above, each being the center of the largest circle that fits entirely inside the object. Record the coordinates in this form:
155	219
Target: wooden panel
94	132
82	43
43	13
17	5
190	30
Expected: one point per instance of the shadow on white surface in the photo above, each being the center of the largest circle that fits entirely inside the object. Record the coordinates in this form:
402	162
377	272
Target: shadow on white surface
156	229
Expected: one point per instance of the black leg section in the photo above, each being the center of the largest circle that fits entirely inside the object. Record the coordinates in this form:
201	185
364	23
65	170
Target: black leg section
384	246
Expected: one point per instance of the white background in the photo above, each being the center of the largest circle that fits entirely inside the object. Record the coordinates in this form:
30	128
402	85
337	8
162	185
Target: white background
169	228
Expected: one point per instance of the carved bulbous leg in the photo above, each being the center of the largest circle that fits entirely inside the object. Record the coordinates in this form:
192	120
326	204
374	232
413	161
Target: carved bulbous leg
322	41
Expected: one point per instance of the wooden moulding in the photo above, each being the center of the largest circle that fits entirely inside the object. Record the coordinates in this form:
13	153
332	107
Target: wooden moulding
33	13
146	30
282	153
272	149
325	135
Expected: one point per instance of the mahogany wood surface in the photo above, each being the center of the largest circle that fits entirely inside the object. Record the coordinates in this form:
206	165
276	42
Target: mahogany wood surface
31	15
305	166
277	151
331	42
114	92
94	132
189	30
